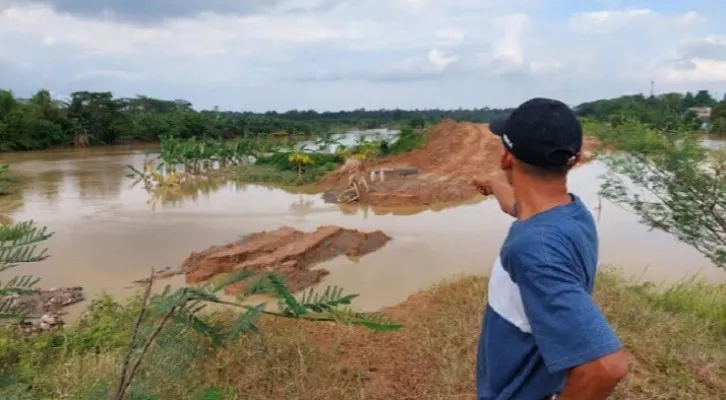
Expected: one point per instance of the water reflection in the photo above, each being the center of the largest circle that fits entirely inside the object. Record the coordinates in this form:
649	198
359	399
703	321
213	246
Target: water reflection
351	138
301	207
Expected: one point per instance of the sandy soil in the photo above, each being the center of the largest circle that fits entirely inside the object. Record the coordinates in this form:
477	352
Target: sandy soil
455	153
286	251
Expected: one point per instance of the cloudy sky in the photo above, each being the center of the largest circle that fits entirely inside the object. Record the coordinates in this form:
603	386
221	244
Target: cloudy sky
345	54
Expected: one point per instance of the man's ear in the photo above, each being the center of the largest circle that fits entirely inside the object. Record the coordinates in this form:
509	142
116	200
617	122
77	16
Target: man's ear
506	161
573	160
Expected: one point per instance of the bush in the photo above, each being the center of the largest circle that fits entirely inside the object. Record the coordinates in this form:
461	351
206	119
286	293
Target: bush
677	185
280	160
408	140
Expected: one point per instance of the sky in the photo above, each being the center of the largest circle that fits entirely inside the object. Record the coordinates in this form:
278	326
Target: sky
263	55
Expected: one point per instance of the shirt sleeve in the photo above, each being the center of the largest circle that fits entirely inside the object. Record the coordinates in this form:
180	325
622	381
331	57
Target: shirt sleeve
567	326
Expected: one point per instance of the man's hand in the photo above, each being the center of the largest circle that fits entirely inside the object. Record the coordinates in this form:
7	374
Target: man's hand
500	188
483	186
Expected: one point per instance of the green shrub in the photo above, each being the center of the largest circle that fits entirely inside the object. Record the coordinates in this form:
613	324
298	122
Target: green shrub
280	160
408	140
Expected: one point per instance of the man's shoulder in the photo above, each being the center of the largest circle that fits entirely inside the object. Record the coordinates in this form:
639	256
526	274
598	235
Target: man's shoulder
540	235
565	225
563	244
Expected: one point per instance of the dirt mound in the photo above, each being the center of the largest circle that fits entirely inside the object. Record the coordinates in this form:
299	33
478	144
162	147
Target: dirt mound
437	173
286	251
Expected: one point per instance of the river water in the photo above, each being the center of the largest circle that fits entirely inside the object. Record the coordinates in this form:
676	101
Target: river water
107	234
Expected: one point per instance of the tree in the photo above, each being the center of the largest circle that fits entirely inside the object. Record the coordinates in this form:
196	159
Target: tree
42	122
676	185
299	159
18	245
689	101
718	118
704	99
417	122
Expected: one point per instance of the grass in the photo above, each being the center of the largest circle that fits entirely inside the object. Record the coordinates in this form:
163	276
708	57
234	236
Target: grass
271	174
409	140
277	169
674	338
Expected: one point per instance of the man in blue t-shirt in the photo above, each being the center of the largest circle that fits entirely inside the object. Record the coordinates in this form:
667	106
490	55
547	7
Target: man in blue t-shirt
543	337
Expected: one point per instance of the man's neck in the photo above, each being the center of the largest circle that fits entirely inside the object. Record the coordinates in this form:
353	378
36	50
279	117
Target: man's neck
536	197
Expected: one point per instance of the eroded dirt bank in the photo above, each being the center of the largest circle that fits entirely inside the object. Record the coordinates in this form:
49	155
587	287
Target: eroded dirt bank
437	173
286	251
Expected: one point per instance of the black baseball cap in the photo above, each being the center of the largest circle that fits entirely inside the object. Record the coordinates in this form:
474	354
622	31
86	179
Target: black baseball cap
541	132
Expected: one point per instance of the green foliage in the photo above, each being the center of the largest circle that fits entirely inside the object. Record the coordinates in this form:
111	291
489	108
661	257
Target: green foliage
18	245
718	118
417	122
163	336
214	394
6	181
408	140
667	111
41	122
694	296
670	181
278	168
281	160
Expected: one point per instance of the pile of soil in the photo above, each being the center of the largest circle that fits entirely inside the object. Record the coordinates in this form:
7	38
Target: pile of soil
285	251
455	153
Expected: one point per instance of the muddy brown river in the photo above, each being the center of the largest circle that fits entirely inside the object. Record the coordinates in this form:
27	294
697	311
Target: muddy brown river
107	234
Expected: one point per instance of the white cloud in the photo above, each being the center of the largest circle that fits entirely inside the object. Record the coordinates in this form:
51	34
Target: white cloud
441	59
699	70
449	36
696	60
509	47
345	54
607	20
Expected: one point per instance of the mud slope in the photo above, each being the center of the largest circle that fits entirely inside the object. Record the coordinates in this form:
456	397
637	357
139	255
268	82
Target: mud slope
455	153
287	251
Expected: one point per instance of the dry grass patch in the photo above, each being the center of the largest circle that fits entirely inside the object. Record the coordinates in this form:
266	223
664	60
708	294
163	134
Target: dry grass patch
675	352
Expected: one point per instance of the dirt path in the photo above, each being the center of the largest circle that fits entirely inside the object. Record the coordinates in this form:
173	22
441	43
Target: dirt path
455	153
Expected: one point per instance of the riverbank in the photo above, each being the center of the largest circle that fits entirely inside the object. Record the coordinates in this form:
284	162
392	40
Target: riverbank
675	347
139	144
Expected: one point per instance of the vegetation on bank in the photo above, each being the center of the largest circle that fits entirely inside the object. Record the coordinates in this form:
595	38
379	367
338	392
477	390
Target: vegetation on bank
96	118
298	167
666	111
260	160
671	182
675	350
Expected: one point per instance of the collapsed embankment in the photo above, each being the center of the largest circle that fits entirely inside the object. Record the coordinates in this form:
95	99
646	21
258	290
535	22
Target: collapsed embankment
439	172
42	309
285	251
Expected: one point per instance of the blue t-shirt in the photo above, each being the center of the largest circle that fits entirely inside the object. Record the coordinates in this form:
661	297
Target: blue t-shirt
540	320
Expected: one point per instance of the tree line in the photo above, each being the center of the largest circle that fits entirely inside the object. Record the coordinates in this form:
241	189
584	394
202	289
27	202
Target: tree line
97	118
663	111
